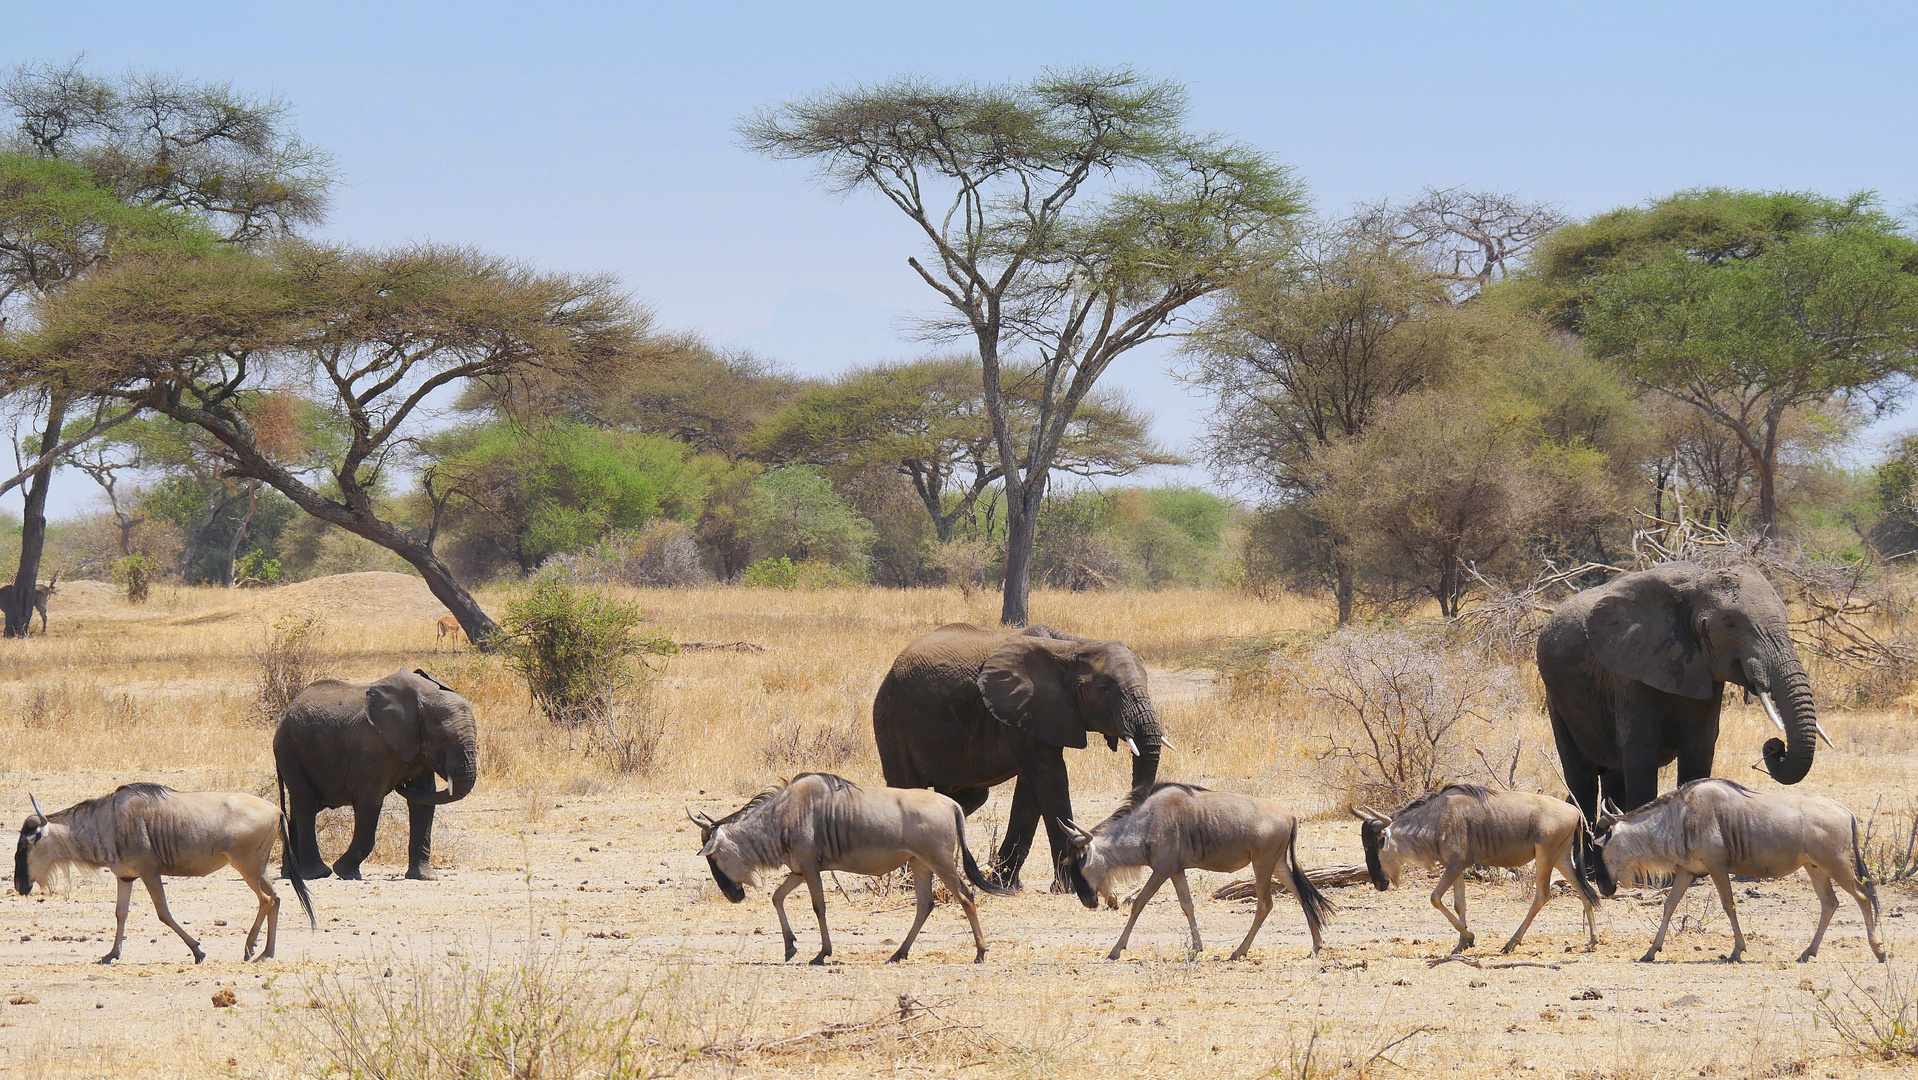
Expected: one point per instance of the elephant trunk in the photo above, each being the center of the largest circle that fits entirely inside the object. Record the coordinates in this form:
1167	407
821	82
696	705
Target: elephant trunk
1141	725
1788	760
461	767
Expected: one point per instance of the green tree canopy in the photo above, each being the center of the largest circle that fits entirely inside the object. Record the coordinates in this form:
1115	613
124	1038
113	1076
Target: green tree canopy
795	514
1743	305
1068	221
927	421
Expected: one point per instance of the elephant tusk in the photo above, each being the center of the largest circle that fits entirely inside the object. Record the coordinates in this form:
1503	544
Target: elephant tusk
1166	744
1772	711
1132	746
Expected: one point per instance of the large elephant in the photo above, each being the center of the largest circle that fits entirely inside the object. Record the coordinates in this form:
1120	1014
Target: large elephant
349	744
964	709
1635	673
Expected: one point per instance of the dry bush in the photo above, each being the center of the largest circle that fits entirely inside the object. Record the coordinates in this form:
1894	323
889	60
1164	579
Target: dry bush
1890	846
289	662
824	745
663	555
542	1013
1873	1019
1409	712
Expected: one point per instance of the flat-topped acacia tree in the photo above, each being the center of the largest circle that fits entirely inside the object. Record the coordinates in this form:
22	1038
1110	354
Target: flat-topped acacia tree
1069	220
371	340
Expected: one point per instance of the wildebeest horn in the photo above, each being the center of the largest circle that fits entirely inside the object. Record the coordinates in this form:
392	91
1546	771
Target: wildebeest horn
701	819
1377	813
36	805
1080	837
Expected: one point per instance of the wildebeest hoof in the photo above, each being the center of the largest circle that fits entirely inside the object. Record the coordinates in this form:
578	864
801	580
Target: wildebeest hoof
108	958
198	956
1648	957
422	875
980	956
347	873
1113	955
791	950
896	957
819	961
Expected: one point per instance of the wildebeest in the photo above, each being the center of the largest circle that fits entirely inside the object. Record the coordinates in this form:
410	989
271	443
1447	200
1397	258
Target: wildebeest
1170	828
1719	828
817	822
142	831
1464	825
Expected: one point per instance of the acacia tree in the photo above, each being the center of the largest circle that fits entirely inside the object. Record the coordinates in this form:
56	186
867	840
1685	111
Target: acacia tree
1301	357
153	160
1744	306
369	338
927	422
1069	220
1466	238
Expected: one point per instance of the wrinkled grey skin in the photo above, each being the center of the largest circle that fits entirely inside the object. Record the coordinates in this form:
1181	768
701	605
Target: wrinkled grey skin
349	744
964	709
1635	673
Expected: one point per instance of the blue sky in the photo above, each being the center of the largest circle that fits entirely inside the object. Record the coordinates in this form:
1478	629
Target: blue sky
598	136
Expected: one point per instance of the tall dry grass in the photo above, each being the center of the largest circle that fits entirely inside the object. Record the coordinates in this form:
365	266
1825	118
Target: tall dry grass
163	691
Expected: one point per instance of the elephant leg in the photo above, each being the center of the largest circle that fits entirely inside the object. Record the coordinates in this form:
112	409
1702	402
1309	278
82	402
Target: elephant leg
1021	825
1698	743
366	823
302	808
969	799
1612	787
1043	768
1641	751
419	842
1581	776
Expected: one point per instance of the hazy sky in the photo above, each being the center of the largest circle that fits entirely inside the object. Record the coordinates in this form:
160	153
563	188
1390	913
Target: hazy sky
599	136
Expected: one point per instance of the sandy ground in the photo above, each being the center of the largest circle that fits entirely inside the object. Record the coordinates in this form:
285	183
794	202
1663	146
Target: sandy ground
603	875
618	880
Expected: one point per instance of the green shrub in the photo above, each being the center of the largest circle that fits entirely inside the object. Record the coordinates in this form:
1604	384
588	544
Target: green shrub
795	514
581	654
135	574
783	573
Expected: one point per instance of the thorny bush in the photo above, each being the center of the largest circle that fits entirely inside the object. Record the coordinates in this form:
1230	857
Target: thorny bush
288	662
1411	714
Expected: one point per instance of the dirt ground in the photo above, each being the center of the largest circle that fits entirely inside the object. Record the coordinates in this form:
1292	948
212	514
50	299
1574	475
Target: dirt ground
602	877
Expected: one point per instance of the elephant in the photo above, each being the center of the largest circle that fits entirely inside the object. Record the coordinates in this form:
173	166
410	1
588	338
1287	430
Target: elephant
1635	672
349	744
964	709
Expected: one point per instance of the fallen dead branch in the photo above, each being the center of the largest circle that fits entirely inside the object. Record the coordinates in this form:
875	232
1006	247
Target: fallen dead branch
1456	959
1324	876
718	646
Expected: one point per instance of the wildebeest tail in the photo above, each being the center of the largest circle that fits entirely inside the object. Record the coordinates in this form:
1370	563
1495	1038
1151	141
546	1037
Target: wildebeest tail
973	874
1860	868
286	850
1582	853
1317	907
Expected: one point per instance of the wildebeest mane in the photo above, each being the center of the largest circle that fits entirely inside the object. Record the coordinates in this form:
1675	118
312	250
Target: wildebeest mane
834	785
1137	797
114	799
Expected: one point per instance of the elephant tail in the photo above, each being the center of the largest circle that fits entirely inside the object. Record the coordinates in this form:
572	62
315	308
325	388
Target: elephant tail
286	856
978	879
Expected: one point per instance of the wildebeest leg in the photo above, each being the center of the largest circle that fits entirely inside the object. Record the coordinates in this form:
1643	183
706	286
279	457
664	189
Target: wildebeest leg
1680	883
1138	904
419	839
818	890
1542	861
779	905
157	890
1454	879
1185	902
1827	906
1867	906
922	892
1022	824
1724	883
269	912
120	919
956	885
1262	889
366	823
1591	909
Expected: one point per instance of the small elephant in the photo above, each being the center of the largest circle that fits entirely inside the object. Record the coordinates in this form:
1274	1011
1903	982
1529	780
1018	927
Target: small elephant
1635	673
964	709
349	744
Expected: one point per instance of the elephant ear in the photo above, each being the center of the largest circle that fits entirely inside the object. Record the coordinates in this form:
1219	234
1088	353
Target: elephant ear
1025	683
1640	628
393	708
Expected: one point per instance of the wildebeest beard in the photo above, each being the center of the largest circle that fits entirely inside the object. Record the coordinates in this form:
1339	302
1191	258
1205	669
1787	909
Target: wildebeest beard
22	883
733	890
1072	862
1370	834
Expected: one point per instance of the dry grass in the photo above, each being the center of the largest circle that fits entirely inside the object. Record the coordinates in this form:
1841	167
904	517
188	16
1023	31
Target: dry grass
162	692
